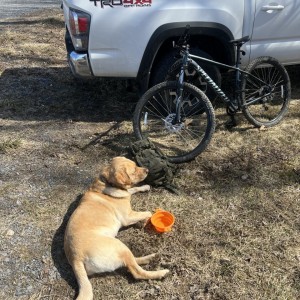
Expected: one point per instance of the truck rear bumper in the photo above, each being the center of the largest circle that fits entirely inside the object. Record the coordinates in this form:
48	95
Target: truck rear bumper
79	64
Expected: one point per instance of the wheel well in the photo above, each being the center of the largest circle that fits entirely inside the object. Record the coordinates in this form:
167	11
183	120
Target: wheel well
210	38
211	45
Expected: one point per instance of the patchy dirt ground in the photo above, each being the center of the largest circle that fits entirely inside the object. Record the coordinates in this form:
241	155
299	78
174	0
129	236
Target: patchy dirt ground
237	226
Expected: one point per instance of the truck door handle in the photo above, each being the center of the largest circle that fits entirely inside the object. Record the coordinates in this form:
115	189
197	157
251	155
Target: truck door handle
272	7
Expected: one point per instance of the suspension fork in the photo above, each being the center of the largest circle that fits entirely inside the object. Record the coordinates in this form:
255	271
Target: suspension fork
179	92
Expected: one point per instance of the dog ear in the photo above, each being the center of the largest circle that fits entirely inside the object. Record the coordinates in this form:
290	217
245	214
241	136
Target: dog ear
105	173
122	179
97	185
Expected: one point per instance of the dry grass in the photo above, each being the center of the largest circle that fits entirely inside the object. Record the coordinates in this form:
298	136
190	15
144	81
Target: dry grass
237	219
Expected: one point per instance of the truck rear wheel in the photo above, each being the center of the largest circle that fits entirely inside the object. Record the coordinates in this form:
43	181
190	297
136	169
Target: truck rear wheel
168	69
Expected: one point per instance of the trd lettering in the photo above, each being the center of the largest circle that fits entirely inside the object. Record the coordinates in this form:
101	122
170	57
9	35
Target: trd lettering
126	3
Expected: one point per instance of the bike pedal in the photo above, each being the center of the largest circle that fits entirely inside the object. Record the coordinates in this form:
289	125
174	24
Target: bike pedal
231	111
231	123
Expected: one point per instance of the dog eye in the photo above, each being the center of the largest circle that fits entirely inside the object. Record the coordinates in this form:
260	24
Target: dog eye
135	170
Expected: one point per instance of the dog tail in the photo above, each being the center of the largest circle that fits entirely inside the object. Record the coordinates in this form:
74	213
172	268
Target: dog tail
85	286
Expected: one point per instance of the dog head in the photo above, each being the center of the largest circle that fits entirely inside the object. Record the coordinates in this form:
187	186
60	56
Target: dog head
123	173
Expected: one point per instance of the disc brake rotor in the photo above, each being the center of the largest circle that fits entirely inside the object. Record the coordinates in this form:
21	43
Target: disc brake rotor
172	127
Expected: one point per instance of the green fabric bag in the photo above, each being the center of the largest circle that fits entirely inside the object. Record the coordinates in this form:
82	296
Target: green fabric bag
161	171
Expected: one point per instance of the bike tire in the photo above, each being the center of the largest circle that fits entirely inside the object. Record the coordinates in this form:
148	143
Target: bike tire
269	110
155	112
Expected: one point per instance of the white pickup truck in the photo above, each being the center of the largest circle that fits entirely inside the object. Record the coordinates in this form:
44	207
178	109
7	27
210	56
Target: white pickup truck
133	38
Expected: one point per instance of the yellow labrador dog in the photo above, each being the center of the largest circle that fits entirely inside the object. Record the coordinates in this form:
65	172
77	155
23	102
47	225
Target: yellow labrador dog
90	244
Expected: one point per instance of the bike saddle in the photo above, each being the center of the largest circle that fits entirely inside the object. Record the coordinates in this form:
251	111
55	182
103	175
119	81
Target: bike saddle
241	41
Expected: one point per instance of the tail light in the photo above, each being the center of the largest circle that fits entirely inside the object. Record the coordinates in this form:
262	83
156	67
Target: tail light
79	28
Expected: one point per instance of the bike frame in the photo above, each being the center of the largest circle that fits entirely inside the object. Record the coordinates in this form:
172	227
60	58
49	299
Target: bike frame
233	104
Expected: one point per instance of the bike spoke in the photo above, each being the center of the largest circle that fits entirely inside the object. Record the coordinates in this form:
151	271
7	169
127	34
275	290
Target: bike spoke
265	92
180	133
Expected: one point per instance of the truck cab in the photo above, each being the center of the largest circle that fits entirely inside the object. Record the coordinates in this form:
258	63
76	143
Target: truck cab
132	39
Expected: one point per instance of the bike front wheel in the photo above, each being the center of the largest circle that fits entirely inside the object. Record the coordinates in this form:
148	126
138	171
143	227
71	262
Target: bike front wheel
180	139
266	92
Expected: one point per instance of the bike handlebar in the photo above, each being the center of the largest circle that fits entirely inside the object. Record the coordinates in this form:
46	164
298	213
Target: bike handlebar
182	41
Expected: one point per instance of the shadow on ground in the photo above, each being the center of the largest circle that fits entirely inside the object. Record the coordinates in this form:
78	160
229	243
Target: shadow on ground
54	94
57	248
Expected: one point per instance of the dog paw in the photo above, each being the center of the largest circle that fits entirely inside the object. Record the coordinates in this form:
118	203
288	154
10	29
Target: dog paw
145	188
164	272
149	214
152	255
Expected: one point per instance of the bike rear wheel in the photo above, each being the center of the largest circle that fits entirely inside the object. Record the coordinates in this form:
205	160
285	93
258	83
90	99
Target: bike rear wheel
154	118
265	97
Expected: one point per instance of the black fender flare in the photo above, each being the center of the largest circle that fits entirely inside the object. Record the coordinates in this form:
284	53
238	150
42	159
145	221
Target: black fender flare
175	30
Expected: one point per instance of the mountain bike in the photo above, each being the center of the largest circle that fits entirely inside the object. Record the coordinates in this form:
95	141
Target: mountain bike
179	118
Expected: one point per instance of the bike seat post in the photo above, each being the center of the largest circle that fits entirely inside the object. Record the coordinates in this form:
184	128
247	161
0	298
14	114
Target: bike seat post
238	55
238	45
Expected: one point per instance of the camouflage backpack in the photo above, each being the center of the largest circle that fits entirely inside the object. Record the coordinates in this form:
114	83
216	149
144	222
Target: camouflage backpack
161	171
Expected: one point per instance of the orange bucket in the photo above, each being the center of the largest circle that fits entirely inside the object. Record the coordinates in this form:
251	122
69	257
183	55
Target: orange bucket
162	220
